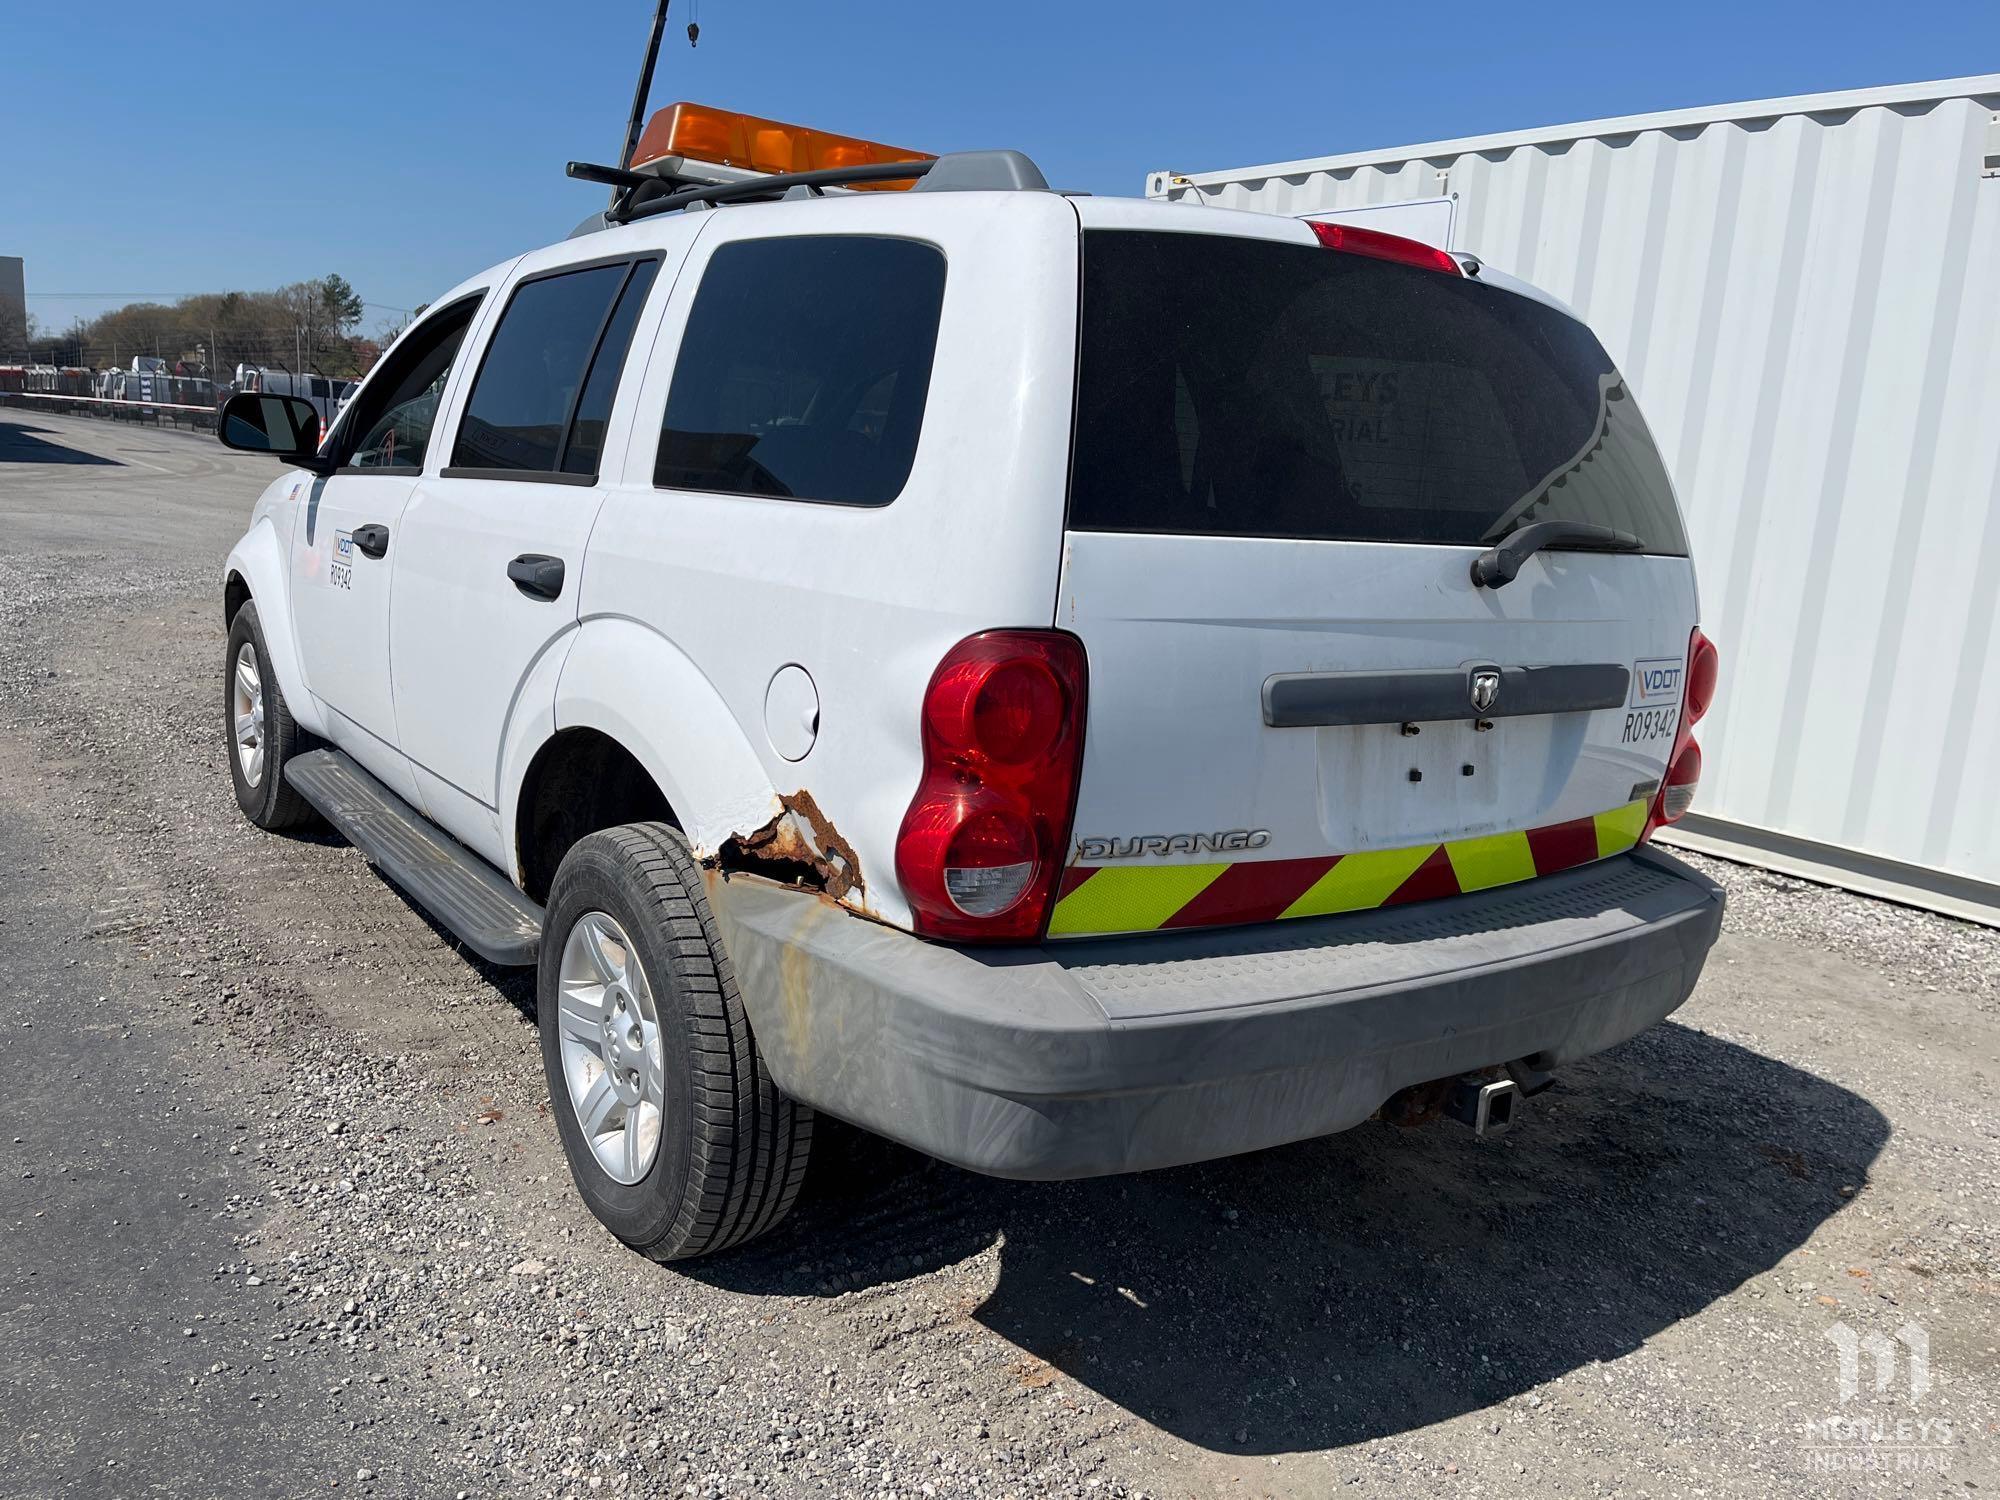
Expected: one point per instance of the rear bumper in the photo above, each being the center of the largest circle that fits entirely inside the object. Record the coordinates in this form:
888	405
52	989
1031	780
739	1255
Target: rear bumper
1082	1058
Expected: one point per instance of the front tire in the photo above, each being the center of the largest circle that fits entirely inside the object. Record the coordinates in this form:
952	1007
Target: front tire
260	730
675	1133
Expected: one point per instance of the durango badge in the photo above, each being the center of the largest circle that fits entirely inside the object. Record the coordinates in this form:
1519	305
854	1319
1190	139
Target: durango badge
1485	688
1229	842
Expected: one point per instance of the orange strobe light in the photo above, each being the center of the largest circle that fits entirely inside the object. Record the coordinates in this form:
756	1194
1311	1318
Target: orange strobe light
702	133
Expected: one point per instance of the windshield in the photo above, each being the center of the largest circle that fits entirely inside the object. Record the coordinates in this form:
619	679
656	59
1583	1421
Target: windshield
1249	388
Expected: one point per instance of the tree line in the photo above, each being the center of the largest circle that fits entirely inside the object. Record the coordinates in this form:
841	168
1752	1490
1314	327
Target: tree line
308	326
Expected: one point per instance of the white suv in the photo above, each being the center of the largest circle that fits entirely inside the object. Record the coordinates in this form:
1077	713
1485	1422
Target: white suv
1074	685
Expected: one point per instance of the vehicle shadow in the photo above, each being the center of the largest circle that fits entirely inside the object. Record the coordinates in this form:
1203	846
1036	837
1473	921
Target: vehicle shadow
19	444
1348	1289
513	984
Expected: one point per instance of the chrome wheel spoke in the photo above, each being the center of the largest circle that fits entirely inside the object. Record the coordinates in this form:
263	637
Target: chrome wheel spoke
578	1016
633	1169
597	1105
246	713
606	953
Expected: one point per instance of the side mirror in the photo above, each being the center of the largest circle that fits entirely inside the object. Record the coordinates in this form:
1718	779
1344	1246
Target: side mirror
286	427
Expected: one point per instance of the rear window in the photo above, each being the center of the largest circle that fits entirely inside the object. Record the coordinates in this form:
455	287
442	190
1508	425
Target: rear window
804	369
1246	388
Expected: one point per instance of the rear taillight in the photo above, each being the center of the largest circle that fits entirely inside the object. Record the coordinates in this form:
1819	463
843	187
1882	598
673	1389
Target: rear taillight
1385	247
1677	787
1683	775
1703	664
982	846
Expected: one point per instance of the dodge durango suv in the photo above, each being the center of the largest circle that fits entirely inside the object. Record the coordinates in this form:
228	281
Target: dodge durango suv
1074	685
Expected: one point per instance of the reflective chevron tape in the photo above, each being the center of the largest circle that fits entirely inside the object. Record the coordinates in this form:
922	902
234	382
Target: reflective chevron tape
1142	898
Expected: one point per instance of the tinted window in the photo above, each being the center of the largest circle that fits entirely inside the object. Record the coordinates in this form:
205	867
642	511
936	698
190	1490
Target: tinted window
804	369
1248	388
534	367
593	409
391	419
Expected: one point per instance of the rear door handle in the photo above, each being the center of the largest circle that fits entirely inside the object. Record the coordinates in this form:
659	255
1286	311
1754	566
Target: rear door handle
537	576
372	539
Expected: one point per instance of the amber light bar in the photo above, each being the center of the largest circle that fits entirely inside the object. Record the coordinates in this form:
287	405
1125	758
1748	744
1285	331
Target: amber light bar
703	133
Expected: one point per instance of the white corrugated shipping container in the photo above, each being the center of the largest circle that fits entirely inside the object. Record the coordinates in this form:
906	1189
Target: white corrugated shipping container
1805	296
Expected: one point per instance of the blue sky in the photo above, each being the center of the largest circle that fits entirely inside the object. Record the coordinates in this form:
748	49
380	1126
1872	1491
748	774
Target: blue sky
151	148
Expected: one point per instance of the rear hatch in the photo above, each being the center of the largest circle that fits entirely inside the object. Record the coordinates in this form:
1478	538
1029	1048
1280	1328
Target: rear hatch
1286	459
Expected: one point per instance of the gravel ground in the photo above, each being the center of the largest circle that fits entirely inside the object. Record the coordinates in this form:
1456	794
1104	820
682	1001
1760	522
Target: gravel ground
393	1289
1911	947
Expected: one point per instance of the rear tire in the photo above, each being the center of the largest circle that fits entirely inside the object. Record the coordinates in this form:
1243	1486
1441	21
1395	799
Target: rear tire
691	1147
259	729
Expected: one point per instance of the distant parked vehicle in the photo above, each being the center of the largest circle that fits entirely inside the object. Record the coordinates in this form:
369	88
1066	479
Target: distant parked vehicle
54	380
326	393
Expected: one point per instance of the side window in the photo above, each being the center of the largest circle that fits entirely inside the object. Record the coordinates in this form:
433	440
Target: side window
804	369
593	408
544	390
388	425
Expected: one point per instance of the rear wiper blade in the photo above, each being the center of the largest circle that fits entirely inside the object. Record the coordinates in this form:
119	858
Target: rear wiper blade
1501	563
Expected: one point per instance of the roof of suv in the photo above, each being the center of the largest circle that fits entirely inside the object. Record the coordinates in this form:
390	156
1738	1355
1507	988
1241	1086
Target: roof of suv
789	214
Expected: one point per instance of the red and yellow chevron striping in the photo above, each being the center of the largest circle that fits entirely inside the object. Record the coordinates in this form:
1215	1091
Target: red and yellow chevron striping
1144	898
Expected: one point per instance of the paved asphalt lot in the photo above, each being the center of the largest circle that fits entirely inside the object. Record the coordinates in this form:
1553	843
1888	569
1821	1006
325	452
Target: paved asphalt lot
283	1211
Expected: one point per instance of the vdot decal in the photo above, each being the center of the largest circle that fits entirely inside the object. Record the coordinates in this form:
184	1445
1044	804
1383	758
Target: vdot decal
1655	710
340	572
1656	682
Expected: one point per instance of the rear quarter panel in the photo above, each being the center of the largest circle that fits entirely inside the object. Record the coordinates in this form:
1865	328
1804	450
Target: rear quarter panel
866	599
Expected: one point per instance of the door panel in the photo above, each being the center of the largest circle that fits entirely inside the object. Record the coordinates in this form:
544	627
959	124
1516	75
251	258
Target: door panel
465	634
491	565
344	547
340	600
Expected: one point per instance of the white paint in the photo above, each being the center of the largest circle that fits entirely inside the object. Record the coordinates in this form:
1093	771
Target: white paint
1801	293
260	560
1183	631
704	632
791	712
866	599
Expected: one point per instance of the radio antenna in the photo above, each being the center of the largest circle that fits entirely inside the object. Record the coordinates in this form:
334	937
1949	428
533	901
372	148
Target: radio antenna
644	91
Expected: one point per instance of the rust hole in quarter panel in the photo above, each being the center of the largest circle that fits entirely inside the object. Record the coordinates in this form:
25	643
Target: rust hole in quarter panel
797	847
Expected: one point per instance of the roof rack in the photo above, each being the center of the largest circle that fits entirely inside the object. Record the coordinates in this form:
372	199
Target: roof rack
643	194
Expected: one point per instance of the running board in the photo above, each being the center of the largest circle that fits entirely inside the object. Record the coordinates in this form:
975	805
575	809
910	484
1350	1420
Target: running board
467	896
